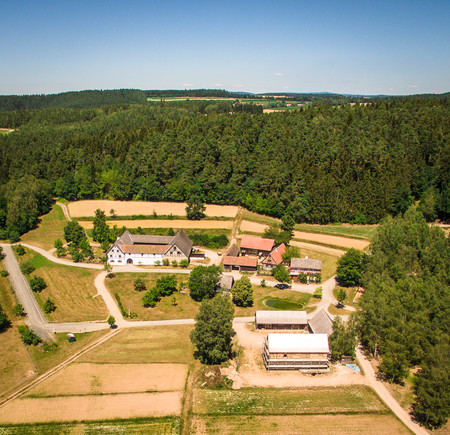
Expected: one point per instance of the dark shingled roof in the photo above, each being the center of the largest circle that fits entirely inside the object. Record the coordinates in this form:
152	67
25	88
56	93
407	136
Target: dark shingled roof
233	251
306	263
240	261
136	243
321	323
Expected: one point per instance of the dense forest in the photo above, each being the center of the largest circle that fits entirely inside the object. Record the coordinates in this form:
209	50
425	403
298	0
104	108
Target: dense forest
320	164
406	309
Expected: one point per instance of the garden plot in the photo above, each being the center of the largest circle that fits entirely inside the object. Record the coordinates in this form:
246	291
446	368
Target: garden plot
97	407
85	378
126	208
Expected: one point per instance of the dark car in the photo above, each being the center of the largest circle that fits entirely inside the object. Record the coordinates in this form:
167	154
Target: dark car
339	305
282	286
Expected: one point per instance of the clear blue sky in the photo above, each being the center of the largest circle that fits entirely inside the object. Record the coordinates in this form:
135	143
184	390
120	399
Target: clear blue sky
367	47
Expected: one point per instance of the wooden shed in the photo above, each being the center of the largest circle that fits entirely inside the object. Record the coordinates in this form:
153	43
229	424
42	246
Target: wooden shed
249	264
271	319
305	352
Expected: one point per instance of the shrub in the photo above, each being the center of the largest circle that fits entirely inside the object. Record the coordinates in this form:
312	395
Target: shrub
318	293
49	306
18	310
4	273
28	336
184	263
139	285
26	268
20	250
281	273
174	263
37	284
4	321
151	298
165	262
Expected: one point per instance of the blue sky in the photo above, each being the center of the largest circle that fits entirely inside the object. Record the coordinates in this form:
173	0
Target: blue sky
357	47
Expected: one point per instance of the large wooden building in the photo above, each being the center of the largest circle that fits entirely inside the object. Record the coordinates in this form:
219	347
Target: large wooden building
304	265
256	246
274	258
248	264
304	352
148	250
291	320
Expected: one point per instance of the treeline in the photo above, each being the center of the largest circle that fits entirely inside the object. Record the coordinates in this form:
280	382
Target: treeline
406	309
81	99
319	165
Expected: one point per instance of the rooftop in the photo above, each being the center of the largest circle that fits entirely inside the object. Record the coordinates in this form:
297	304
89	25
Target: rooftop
281	317
257	243
306	263
240	261
298	343
321	323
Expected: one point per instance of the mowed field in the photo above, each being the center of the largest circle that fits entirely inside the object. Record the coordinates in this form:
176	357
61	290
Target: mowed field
126	208
71	289
254	227
161	223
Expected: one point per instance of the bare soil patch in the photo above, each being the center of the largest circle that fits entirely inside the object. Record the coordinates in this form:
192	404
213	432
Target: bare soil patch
87	208
305	424
314	237
77	408
85	378
159	223
253	373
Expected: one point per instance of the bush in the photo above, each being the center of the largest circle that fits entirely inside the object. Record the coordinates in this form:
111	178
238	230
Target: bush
166	262
4	321
184	263
49	306
121	307
174	263
37	284
2	254
18	310
318	293
26	268
139	285
20	250
111	321
4	273
210	241
242	292
151	298
281	273
28	336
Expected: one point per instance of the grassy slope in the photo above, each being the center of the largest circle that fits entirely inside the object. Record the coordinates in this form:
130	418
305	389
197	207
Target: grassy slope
50	228
71	288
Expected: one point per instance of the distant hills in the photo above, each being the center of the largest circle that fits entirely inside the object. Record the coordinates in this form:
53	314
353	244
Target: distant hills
97	98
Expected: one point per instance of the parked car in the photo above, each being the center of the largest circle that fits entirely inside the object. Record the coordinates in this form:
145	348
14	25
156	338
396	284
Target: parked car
282	286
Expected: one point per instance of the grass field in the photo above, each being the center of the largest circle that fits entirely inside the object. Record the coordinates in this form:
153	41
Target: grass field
162	344
50	228
122	283
72	289
367	424
163	426
351	293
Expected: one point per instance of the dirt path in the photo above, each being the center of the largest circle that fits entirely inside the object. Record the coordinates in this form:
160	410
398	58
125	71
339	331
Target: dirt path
163	223
385	395
65	210
314	237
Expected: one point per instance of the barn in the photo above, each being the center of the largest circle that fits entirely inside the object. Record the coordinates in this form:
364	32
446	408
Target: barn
305	352
248	264
267	319
256	246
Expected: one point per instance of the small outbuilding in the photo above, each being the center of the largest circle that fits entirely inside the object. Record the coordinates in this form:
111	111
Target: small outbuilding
305	352
226	283
232	251
271	319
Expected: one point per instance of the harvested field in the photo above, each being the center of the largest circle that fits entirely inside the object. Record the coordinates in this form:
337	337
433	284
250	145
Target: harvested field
125	208
314	237
85	378
159	223
78	408
290	424
147	345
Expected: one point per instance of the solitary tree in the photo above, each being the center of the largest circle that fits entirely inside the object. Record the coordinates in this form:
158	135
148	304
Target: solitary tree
243	292
213	330
349	268
100	232
341	295
195	209
111	320
49	306
37	284
202	281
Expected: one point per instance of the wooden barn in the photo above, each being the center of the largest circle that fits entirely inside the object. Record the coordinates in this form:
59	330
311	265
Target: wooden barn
305	352
248	264
321	323
274	258
271	319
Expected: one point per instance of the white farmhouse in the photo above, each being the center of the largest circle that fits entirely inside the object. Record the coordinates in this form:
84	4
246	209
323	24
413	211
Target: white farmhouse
147	250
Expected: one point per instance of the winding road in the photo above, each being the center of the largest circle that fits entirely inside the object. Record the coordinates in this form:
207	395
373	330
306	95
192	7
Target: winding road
39	324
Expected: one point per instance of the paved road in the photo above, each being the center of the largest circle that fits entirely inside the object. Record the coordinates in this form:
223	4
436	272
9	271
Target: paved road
385	395
36	319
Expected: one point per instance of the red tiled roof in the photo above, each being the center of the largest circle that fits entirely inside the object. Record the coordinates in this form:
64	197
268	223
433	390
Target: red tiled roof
257	243
276	254
240	261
